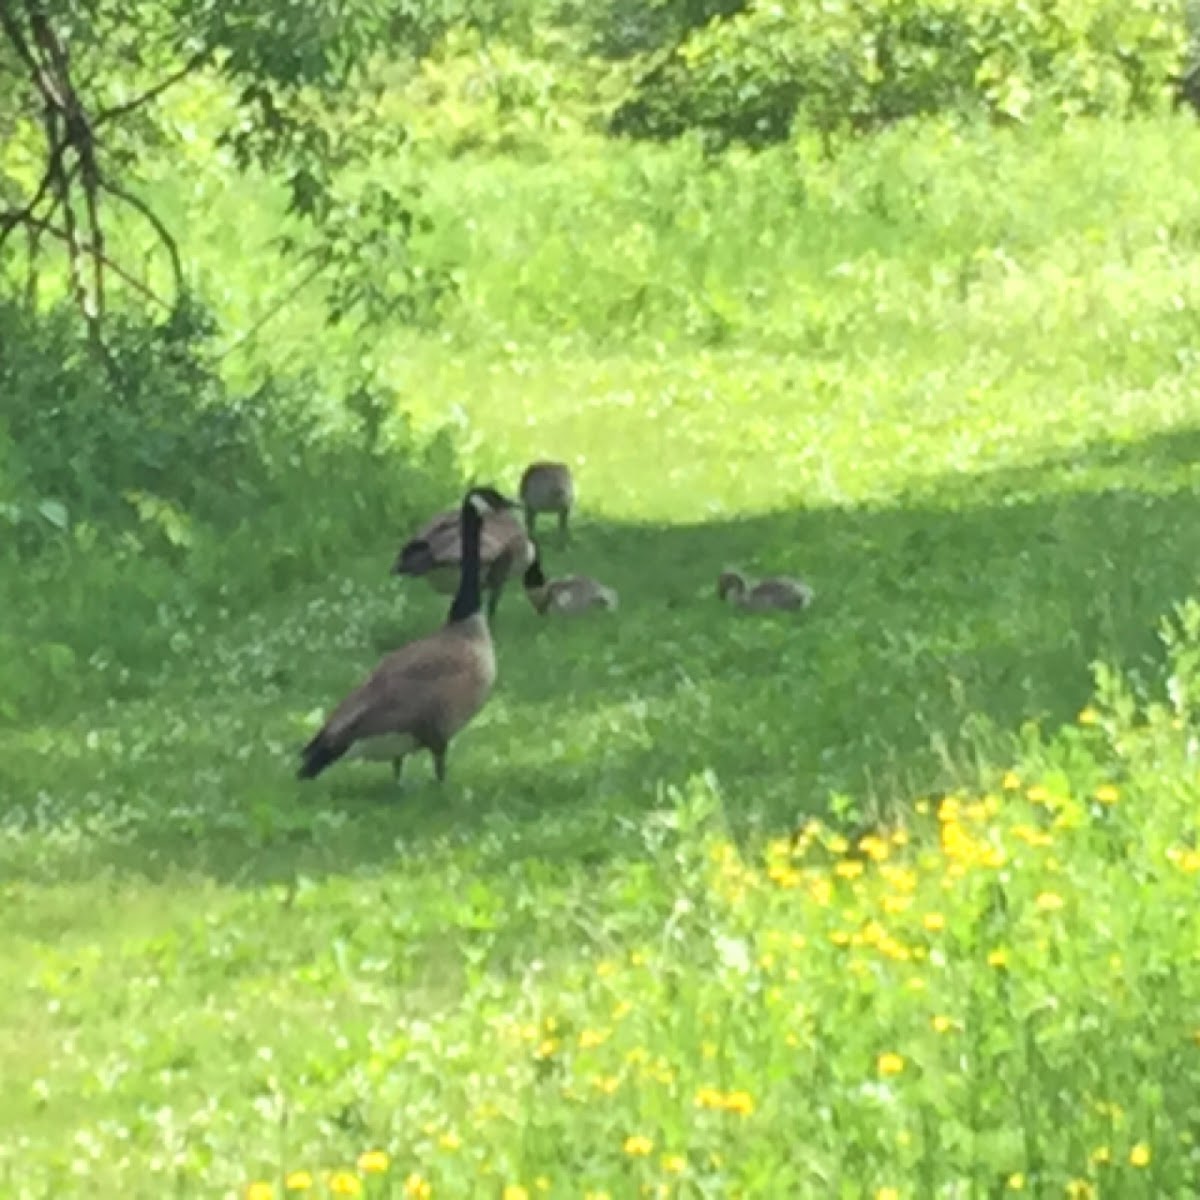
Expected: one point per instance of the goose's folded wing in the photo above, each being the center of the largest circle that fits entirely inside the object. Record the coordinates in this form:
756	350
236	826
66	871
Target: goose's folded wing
400	691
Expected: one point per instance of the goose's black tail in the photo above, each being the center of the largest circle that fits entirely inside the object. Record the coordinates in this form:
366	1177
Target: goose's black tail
318	754
416	558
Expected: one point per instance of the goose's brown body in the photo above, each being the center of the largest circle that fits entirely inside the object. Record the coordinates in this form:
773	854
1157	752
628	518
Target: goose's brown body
435	553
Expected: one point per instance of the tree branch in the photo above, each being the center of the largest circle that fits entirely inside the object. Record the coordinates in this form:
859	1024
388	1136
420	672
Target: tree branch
55	231
18	216
164	234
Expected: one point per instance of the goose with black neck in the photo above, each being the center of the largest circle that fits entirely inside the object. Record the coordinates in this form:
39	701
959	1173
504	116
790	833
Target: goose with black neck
423	694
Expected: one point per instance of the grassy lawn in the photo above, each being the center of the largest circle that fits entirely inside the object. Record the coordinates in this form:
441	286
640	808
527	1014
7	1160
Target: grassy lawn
949	383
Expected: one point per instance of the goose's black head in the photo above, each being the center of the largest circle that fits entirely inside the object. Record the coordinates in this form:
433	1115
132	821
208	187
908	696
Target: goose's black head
534	576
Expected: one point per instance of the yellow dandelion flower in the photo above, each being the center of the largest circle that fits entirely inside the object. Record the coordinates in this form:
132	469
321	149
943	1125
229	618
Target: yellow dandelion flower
542	1183
887	1193
1032	836
708	1097
1139	1156
837	844
674	1164
934	922
373	1162
259	1190
418	1188
605	969
450	1140
1049	902
593	1037
741	1103
850	868
1037	794
606	1083
637	958
784	876
1011	782
1088	716
997	957
1101	1156
874	847
514	1191
1107	794
1016	1182
343	1183
298	1181
1080	1189
900	837
839	937
1188	861
596	1196
621	1010
942	1024
890	1064
638	1146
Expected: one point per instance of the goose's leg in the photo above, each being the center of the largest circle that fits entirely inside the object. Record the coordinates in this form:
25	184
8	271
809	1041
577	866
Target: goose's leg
439	761
397	767
563	535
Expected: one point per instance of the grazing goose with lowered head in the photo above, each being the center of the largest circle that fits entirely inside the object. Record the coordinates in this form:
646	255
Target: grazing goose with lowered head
568	595
436	552
421	695
547	487
779	592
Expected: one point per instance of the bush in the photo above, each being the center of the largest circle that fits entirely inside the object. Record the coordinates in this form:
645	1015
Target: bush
137	492
840	65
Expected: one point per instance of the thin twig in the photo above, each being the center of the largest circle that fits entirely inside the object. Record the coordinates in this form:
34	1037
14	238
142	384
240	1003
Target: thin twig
121	110
276	308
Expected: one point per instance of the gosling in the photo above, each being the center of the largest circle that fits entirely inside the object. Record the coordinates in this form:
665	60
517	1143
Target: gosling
548	487
777	593
568	595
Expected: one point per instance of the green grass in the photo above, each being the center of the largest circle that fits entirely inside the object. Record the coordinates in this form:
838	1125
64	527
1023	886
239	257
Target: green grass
954	389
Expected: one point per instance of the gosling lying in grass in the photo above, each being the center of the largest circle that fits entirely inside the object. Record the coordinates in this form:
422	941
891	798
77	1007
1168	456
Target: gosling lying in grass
776	593
568	595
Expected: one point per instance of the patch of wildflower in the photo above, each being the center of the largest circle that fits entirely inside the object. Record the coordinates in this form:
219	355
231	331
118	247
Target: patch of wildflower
739	1102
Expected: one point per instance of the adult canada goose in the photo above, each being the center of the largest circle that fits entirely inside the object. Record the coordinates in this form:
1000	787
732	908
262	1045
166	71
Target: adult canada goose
569	595
421	695
436	552
779	592
547	487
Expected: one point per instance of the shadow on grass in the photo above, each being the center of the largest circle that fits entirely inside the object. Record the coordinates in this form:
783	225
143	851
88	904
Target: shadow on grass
941	624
